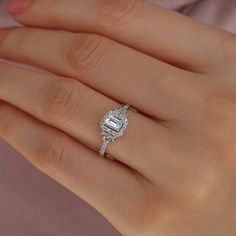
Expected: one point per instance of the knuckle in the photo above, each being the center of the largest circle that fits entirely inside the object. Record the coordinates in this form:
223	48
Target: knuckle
63	101
51	155
116	13
86	51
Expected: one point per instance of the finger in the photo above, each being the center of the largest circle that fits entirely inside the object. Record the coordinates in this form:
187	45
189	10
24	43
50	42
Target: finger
77	110
137	23
102	183
120	71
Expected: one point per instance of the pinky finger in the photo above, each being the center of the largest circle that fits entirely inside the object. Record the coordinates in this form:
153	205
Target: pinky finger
111	188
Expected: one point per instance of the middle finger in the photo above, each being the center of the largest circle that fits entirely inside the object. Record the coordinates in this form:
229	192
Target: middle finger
118	71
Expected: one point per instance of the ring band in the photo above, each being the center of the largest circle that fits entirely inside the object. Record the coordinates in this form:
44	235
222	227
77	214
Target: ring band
113	126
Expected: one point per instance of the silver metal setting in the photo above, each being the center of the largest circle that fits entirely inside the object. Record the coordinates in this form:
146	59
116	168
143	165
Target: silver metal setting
113	126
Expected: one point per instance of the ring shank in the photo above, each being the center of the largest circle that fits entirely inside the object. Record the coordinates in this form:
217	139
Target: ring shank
103	148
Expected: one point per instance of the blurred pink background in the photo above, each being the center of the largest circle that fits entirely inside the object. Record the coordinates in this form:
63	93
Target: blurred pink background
32	204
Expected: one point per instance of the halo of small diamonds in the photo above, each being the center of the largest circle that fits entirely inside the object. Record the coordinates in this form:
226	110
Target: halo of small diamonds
114	124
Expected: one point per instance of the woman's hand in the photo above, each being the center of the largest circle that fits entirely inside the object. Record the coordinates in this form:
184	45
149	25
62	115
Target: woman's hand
174	170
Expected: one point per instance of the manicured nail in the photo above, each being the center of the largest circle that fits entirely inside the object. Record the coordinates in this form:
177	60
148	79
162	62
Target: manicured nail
2	33
16	7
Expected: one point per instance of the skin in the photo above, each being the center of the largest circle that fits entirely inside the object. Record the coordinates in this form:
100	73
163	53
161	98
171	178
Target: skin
174	170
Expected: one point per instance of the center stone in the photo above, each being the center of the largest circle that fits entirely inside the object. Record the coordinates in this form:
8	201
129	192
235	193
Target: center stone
113	123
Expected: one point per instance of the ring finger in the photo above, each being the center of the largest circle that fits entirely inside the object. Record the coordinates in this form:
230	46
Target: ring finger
77	109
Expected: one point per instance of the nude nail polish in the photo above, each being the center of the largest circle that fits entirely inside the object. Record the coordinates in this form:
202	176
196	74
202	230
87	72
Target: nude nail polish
15	7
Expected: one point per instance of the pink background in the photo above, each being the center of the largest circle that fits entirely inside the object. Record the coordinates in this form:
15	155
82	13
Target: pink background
32	204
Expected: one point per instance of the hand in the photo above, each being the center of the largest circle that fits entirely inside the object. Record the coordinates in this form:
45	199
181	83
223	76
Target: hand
174	170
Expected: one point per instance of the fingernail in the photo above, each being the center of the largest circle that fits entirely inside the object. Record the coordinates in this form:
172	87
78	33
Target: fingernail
2	33
16	7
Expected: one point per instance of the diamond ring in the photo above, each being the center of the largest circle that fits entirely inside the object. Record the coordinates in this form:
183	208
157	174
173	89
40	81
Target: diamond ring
113	126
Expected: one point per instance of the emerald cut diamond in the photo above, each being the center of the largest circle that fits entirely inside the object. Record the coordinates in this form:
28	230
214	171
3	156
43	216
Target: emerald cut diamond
114	123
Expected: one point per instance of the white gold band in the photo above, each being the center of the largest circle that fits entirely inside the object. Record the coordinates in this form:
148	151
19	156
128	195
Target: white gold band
103	148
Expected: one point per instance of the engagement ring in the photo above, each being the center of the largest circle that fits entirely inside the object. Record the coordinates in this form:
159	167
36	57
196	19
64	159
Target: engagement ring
113	126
